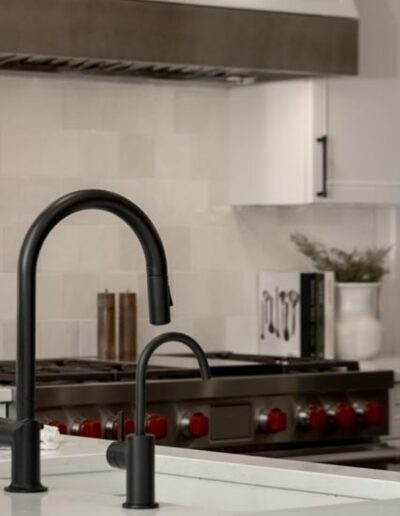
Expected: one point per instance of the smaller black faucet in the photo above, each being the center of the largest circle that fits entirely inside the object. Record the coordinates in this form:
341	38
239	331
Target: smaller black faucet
137	454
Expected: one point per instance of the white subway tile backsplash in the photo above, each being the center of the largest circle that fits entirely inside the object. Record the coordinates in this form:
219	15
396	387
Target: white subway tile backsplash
177	245
88	338
61	251
81	104
207	293
142	191
180	199
39	152
146	332
32	103
98	248
80	294
10	204
119	282
199	109
9	339
142	106
178	156
241	333
57	339
8	297
136	155
99	154
210	332
217	247
49	296
164	146
176	241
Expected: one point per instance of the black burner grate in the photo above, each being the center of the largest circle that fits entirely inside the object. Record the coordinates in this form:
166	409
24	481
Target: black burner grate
58	371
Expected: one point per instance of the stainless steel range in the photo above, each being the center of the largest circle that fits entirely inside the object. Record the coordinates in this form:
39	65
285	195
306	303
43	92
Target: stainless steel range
254	404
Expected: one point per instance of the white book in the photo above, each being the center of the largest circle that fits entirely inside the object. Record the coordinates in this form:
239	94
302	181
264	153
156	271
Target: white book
296	314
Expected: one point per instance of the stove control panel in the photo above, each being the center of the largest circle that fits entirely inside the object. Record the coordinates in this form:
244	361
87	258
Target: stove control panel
220	424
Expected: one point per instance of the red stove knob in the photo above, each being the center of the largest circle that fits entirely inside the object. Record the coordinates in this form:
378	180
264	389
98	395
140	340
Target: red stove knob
195	425
315	418
112	427
87	428
157	425
345	416
273	421
62	427
374	414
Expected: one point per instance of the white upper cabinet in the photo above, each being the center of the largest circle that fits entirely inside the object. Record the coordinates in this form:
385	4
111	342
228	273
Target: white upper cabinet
276	143
279	155
364	141
275	156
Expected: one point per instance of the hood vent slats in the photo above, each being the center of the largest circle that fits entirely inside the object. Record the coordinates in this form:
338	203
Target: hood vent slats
51	64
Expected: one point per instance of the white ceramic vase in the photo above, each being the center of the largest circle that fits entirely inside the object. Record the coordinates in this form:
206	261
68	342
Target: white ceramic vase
358	328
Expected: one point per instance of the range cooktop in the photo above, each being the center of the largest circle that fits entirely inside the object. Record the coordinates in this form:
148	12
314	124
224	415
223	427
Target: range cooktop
171	366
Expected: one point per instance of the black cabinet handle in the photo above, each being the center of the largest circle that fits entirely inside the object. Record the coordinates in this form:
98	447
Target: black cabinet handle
323	140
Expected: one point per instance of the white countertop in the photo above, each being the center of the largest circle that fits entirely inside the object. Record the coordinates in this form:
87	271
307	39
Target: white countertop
65	503
80	455
5	394
192	482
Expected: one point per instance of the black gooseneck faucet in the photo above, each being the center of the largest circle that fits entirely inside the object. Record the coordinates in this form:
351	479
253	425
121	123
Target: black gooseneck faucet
23	435
137	453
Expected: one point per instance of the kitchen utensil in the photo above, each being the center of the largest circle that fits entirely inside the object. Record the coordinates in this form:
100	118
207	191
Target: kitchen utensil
286	334
271	327
294	298
270	302
277	322
266	316
282	297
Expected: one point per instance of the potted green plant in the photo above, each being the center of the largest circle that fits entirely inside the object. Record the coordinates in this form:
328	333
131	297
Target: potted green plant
358	276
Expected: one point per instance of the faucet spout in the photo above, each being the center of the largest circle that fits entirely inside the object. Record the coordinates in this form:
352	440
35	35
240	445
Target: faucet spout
26	477
139	455
142	367
157	275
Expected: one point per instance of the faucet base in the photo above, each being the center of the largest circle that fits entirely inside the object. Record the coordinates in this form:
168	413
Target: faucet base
25	454
140	492
127	505
21	489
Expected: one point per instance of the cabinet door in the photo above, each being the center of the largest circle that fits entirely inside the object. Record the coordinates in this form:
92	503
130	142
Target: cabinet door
275	158
364	128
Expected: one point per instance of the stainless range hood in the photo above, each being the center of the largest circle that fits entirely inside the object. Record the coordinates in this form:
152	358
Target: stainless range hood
172	40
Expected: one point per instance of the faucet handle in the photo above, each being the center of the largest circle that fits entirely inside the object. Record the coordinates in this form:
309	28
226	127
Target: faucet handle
121	426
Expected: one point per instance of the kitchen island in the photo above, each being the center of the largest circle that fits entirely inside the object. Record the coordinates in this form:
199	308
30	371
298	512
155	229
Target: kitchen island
195	482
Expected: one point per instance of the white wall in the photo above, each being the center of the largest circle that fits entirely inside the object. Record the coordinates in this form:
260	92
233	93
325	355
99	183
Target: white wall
163	146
